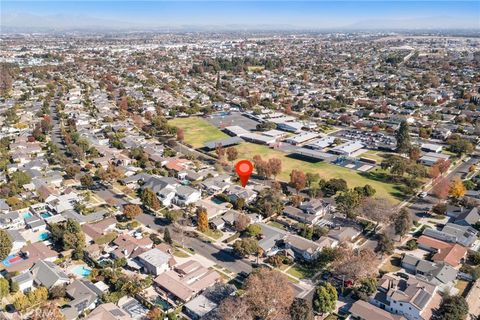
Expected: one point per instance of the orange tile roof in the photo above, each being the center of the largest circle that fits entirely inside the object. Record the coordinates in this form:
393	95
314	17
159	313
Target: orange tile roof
433	243
452	255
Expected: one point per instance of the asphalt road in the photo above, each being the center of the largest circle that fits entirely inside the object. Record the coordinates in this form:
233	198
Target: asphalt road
220	256
420	205
55	133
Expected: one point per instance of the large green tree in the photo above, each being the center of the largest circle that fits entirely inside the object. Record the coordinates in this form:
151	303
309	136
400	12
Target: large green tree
301	310
325	298
453	308
5	244
403	138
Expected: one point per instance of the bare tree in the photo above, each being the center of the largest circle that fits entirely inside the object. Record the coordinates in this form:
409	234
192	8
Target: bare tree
355	264
379	210
269	295
234	308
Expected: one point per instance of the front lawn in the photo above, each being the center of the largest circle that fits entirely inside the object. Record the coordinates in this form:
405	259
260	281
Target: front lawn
215	234
392	265
301	272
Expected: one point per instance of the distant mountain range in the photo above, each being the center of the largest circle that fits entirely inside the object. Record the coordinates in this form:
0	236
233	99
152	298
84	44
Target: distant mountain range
26	22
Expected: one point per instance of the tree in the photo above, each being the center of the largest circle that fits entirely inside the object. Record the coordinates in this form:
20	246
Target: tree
332	186
72	170
443	165
412	244
474	257
253	230
268	294
368	286
4	288
180	135
298	180
232	154
379	210
434	172
5	244
348	202
457	189
414	153
202	220
149	199
354	264
403	222
220	151
21	302
301	310
325	298
441	189
269	202
452	308
385	244
20	178
132	211
275	167
241	222
403	138
86	180
58	291
167	237
173	215
262	166
47	311
245	247
155	314
234	308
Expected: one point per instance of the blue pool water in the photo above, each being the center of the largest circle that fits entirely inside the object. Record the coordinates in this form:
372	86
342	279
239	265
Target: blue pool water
45	215
26	215
164	305
43	236
82	271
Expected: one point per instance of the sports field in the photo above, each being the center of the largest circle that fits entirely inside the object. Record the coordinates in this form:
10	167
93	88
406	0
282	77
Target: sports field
198	131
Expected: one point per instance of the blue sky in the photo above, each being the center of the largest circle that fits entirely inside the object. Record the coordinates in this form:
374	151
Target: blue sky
315	14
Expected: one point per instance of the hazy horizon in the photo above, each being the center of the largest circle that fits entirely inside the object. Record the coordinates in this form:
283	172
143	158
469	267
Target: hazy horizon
124	15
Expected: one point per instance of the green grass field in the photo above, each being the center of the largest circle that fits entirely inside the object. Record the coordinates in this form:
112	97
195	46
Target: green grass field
198	131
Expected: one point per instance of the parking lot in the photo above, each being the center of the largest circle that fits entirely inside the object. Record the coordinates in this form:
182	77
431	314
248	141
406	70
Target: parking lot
232	119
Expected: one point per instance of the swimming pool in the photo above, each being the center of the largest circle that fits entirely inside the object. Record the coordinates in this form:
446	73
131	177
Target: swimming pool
12	259
26	215
82	271
45	215
164	305
43	236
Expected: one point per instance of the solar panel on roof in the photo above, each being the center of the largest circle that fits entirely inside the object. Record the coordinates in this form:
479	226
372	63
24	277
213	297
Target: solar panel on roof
422	299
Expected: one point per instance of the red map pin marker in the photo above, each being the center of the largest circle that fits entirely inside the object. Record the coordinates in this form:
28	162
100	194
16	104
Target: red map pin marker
244	169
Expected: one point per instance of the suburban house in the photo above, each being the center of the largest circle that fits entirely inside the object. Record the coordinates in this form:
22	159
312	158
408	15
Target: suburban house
450	253
108	311
29	255
412	298
307	249
48	274
11	220
439	274
454	233
185	195
362	310
235	192
84	295
155	261
24	281
186	280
